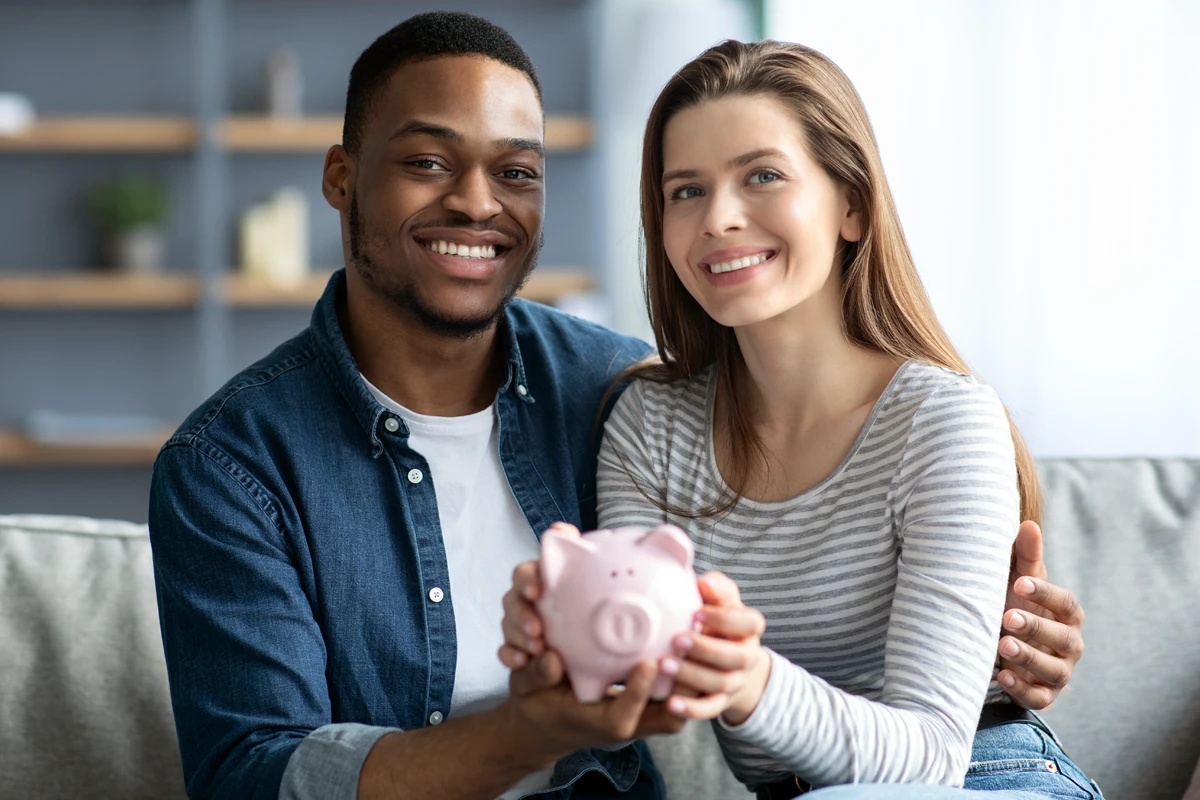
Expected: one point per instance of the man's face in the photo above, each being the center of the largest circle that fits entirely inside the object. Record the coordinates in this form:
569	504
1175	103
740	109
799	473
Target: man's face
448	196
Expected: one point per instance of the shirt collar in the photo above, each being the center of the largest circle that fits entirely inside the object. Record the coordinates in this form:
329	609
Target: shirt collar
338	362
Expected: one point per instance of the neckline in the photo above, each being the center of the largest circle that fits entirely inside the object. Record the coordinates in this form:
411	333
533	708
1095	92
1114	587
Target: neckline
776	505
467	423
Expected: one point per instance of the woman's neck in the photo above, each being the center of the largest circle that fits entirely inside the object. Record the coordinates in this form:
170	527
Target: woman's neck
804	372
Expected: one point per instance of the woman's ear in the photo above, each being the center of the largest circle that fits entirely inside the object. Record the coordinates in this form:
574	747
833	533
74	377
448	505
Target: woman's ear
852	222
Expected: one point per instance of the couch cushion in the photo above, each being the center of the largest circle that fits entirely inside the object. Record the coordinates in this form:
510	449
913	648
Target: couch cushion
1125	535
84	705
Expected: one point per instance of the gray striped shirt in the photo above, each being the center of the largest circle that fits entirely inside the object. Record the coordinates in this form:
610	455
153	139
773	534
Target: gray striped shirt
883	586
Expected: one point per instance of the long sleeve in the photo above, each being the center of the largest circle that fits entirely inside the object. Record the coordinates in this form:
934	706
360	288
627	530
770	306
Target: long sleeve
955	508
245	656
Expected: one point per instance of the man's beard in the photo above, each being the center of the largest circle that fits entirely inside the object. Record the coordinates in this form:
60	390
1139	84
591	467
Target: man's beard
402	291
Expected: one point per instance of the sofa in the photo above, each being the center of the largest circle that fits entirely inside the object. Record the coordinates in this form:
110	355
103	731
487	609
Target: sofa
85	711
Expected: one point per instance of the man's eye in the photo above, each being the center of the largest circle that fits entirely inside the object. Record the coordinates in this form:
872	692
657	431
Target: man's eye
517	174
426	163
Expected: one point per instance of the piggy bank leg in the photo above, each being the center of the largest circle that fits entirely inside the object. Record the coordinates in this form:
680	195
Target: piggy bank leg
588	688
662	686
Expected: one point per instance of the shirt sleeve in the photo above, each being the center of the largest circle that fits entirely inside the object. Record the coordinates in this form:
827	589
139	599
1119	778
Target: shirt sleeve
245	656
956	509
630	475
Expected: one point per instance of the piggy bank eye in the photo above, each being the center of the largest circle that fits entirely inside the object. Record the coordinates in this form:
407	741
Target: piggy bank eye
630	572
614	573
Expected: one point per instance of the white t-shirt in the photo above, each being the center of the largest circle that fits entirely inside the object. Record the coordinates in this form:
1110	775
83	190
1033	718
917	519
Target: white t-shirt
485	535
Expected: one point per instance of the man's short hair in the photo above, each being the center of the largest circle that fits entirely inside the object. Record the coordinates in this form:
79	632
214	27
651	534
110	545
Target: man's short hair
419	38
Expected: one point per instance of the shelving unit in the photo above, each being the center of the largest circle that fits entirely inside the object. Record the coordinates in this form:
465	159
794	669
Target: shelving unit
193	122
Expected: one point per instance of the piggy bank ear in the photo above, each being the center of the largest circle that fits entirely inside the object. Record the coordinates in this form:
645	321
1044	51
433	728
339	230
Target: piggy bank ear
558	550
672	541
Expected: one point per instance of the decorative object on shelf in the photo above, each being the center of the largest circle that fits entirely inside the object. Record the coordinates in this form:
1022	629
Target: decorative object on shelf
285	85
16	114
275	238
47	427
131	211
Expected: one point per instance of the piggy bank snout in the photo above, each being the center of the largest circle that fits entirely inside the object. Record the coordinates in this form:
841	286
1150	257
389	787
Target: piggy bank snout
624	624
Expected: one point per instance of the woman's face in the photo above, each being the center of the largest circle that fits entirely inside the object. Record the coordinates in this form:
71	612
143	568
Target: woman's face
751	223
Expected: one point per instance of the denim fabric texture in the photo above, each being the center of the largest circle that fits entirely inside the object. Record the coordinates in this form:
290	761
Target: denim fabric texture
1015	761
294	554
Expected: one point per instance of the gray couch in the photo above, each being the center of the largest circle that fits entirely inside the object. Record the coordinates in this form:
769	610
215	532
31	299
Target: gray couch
84	708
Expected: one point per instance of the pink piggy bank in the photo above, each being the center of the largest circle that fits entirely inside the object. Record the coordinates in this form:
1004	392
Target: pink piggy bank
613	598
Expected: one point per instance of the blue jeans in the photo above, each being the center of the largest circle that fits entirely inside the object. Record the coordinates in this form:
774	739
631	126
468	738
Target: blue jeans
1016	761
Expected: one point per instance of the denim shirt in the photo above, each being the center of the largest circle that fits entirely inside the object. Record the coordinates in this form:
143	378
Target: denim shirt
294	557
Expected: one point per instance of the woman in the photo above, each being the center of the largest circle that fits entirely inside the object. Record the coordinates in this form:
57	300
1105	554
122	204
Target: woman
813	429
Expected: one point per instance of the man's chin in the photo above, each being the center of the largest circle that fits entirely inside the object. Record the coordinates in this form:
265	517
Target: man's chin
454	317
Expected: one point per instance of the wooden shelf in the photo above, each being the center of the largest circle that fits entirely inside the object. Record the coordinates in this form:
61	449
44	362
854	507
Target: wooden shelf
103	134
106	291
97	290
316	134
236	133
18	450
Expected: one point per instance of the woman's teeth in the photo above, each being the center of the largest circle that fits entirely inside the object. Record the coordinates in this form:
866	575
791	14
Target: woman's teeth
738	263
462	250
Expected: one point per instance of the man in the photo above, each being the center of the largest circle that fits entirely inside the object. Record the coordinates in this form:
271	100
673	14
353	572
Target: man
333	531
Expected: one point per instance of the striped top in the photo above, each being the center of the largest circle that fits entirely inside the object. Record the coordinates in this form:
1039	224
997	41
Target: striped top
882	586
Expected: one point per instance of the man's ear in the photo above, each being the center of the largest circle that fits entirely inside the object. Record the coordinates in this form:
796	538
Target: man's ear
337	182
852	223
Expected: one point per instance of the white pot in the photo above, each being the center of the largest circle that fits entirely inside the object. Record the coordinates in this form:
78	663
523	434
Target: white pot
136	250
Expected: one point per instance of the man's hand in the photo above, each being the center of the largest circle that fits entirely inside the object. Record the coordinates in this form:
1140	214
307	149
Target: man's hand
1046	623
546	709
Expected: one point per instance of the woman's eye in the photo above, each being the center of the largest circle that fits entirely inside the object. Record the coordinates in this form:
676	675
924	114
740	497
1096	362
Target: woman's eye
686	193
764	176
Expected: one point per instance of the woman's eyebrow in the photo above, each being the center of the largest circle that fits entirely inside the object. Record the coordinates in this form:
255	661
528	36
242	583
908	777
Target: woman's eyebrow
736	161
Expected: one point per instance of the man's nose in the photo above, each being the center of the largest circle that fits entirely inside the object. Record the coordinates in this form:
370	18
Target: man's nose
472	196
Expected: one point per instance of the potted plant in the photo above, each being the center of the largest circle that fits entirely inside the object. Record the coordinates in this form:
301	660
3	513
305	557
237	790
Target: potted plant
130	211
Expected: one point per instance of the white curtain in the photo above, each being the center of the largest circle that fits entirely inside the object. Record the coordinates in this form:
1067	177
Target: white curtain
1045	158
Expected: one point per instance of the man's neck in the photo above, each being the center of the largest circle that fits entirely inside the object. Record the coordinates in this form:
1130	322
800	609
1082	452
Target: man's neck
421	370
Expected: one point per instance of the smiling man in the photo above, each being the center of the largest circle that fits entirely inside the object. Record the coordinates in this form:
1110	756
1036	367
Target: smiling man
334	529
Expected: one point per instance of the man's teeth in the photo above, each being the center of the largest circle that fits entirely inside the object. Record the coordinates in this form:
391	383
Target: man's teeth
462	250
738	263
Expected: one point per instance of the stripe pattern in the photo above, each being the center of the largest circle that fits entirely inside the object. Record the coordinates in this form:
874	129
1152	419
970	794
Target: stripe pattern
883	586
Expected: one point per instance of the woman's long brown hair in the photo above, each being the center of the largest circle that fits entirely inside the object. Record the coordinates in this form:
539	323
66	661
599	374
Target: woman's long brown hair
884	305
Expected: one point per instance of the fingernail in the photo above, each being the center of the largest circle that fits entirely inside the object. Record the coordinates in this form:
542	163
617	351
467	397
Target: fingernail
529	593
1025	586
684	642
519	659
676	706
1009	648
530	627
670	666
700	616
1017	621
1007	680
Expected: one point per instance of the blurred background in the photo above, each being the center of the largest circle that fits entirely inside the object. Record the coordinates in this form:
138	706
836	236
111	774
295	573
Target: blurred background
161	223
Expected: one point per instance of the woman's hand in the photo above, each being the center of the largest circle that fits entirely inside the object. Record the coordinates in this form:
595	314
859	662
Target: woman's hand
523	630
724	664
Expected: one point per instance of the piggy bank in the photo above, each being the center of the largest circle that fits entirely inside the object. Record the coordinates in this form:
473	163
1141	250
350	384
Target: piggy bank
613	598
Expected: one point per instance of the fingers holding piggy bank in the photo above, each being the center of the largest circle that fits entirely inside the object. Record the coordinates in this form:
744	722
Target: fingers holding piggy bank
610	599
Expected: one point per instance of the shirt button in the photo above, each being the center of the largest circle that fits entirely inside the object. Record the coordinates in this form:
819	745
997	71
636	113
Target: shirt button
521	390
436	718
436	594
392	424
415	476
1051	766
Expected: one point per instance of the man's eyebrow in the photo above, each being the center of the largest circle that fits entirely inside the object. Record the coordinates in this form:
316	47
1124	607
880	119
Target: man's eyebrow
416	127
736	161
531	145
